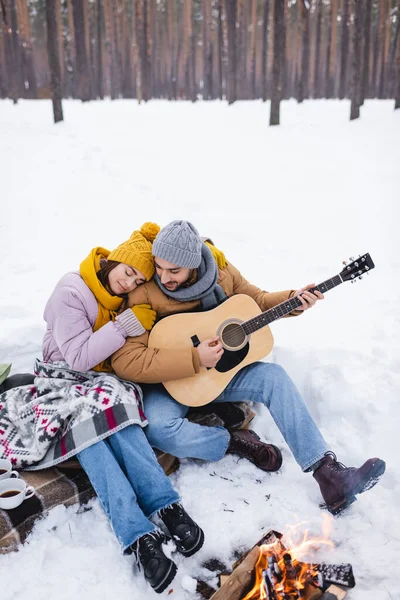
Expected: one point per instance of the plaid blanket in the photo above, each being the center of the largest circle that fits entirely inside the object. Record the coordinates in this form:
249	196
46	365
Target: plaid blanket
62	413
68	484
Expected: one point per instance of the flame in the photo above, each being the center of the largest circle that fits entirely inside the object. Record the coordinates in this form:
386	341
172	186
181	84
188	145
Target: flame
286	575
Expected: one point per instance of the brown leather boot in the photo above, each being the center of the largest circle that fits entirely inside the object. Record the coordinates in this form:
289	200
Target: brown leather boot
247	444
339	485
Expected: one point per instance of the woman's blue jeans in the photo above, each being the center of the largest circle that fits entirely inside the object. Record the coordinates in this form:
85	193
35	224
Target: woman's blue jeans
128	481
268	383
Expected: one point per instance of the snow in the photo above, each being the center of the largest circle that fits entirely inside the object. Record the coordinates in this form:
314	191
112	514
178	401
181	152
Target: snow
287	205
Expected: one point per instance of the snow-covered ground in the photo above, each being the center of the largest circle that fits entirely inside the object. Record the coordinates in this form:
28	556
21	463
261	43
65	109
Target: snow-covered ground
287	205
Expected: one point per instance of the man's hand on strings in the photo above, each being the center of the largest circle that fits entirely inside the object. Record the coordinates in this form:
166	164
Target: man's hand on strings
308	299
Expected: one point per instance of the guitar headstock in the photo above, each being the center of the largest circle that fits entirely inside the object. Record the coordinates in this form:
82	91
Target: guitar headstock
356	269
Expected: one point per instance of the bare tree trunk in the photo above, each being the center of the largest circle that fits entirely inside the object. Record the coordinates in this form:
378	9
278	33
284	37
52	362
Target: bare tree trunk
303	91
344	49
231	11
333	50
82	66
317	64
379	50
356	87
110	46
193	58
9	55
60	41
99	53
220	42
385	49
26	48
397	63
392	55
18	78
54	60
70	55
253	49
264	52
367	49
279	49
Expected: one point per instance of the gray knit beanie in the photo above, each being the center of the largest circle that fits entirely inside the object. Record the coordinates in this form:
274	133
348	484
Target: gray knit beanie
179	243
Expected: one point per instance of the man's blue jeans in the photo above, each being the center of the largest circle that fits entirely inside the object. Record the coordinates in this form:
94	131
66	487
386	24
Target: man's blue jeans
128	481
268	383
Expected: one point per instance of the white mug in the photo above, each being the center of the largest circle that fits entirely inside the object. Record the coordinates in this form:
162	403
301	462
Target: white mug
13	492
6	469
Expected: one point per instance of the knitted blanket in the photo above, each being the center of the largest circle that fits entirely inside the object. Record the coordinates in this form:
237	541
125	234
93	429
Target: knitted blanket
62	413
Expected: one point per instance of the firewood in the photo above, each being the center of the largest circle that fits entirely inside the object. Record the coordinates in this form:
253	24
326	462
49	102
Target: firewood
269	538
240	579
334	592
312	593
222	578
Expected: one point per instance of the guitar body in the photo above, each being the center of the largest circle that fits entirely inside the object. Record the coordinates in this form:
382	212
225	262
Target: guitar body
187	330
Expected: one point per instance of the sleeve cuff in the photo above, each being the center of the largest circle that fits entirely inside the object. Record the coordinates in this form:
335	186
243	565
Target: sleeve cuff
130	323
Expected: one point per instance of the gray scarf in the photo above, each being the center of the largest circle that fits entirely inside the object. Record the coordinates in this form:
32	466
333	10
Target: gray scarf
205	288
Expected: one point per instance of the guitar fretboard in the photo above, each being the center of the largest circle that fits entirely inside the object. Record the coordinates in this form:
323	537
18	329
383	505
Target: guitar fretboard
283	309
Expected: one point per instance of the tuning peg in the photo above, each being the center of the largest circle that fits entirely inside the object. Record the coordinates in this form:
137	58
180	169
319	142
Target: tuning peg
344	262
351	258
360	277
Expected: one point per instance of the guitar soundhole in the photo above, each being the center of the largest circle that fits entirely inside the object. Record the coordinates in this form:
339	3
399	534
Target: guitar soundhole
233	335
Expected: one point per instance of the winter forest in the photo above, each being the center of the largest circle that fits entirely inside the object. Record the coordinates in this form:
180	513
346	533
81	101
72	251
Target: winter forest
201	49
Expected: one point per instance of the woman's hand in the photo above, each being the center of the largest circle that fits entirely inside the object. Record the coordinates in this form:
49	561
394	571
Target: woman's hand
145	314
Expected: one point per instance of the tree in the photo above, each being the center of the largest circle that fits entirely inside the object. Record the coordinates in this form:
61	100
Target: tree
82	65
357	71
397	62
231	12
367	50
278	58
264	49
54	60
344	48
302	91
317	65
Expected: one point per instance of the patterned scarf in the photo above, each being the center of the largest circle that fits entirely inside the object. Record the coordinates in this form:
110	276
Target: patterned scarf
205	289
107	303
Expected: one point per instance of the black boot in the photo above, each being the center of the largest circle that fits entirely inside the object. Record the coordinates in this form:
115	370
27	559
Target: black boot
186	534
339	485
159	570
246	443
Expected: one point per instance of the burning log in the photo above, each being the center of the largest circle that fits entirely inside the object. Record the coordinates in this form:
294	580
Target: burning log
240	579
339	574
269	572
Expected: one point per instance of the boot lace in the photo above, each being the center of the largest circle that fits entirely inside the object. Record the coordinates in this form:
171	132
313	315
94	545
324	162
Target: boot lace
175	509
335	465
147	545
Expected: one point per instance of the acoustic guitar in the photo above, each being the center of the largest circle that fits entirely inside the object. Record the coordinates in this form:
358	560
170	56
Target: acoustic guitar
244	333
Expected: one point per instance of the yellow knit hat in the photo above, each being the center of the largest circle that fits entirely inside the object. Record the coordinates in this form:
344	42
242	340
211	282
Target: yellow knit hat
137	251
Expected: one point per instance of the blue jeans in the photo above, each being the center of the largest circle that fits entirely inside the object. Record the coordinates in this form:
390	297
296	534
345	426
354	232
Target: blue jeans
128	481
268	383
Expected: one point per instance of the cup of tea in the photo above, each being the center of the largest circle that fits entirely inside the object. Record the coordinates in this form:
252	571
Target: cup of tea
13	492
6	469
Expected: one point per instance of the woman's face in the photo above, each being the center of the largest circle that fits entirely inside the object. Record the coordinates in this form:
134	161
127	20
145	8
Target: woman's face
124	279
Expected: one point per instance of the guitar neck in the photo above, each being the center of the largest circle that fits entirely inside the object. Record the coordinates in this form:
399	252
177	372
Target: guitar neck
283	309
